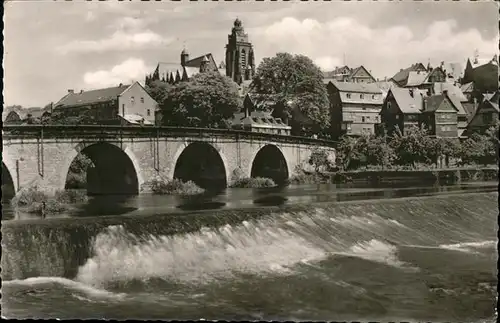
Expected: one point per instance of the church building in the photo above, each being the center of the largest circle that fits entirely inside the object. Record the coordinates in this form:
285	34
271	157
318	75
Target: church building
240	59
239	64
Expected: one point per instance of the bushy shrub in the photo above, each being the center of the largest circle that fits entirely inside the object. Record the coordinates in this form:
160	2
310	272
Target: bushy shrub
302	177
29	196
258	182
30	200
71	196
175	187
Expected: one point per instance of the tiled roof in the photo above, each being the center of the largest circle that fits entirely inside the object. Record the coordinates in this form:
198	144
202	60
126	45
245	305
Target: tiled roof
416	78
407	103
494	100
470	109
403	74
439	87
482	61
357	87
433	102
455	100
135	119
196	62
355	70
467	87
93	96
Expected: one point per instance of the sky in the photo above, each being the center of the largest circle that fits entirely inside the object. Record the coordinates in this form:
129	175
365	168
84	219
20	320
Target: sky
50	47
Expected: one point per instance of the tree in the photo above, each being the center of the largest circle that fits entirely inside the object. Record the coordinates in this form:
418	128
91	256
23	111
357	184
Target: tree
377	151
480	149
410	148
207	100
319	159
349	153
296	85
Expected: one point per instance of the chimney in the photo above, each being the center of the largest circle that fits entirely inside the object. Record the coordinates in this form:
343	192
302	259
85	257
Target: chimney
71	91
81	91
120	85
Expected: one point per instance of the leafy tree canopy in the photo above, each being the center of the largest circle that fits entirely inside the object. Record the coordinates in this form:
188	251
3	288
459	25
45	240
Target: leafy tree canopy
296	84
206	100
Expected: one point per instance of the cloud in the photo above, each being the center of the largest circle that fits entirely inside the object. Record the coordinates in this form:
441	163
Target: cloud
117	42
133	69
383	50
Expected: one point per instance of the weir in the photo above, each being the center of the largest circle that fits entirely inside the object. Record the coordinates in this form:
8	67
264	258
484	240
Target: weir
71	248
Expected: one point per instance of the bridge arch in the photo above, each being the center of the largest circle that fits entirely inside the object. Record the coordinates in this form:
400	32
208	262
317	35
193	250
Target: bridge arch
116	169
201	163
9	187
270	161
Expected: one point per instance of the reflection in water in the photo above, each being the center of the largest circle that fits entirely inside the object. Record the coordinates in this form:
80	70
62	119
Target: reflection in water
273	200
149	204
205	205
106	205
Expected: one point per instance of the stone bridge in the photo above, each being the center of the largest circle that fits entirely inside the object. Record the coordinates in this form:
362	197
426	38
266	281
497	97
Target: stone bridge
126	159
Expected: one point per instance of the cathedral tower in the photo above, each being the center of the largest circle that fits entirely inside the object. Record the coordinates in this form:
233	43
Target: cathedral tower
240	61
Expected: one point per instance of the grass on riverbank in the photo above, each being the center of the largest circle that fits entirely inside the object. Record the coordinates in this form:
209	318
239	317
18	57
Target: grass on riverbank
31	200
258	182
175	187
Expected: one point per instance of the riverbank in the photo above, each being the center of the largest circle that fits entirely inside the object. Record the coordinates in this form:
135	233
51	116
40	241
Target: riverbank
434	176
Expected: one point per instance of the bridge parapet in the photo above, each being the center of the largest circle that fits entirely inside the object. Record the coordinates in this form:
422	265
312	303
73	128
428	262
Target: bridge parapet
113	132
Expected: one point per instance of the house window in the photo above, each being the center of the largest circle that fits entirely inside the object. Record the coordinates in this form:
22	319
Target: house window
148	112
348	95
487	118
132	99
142	100
397	116
373	96
361	96
363	119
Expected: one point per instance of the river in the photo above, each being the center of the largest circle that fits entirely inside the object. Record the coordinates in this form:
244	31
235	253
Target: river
310	252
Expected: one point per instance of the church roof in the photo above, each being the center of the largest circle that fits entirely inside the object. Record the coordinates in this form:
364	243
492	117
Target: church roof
93	96
166	70
196	62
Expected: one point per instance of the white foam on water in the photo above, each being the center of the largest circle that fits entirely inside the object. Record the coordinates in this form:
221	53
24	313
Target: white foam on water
71	284
199	257
469	246
377	251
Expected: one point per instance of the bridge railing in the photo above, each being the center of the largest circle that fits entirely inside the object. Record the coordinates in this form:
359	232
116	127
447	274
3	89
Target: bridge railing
117	131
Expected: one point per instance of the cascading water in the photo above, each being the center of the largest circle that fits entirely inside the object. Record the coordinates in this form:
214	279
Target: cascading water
327	254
